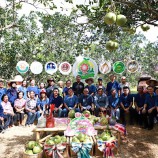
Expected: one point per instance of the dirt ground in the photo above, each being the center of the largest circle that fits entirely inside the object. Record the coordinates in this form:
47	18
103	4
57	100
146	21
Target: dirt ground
141	143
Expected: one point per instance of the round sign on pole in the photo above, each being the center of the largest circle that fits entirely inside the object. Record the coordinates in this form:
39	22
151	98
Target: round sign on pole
36	67
65	68
119	67
86	68
105	67
22	67
51	67
132	66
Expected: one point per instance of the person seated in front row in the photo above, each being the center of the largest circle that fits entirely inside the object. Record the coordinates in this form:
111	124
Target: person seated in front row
139	104
19	106
101	102
31	109
57	100
149	109
114	104
8	112
1	119
70	102
126	106
42	102
86	101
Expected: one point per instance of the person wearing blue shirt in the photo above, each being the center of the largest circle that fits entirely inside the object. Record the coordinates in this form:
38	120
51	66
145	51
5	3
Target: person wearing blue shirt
92	88
149	109
126	106
114	104
2	89
113	84
139	104
86	101
68	86
56	99
1	118
70	102
101	102
12	93
23	88
33	88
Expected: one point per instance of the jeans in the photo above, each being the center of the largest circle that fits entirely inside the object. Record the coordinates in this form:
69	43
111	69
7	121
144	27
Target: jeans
7	120
64	112
115	113
31	118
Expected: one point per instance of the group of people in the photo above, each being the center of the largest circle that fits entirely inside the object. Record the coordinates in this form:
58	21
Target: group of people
113	99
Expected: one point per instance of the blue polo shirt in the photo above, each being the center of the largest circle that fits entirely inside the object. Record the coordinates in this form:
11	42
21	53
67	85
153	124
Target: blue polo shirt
24	90
126	100
92	88
71	101
12	95
34	89
57	101
42	103
140	99
112	85
85	100
150	100
2	92
65	90
113	101
1	111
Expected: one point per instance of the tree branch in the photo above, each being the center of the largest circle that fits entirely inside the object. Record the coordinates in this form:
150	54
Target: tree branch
13	25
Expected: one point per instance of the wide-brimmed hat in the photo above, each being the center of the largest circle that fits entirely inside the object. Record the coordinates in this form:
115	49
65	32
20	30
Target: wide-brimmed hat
50	79
1	79
152	80
91	79
16	79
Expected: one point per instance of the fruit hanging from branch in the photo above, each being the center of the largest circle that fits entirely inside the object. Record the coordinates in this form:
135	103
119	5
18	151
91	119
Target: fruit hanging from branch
111	45
121	20
145	27
110	18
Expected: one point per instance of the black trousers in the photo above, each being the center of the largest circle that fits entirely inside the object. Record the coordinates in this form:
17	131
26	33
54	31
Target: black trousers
19	116
148	118
132	114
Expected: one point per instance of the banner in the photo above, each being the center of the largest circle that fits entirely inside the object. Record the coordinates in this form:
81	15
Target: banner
65	68
22	67
86	68
51	67
36	67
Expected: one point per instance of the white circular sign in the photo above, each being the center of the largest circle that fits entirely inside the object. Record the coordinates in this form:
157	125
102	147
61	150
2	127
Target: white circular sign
65	68
105	67
36	67
132	66
51	67
22	67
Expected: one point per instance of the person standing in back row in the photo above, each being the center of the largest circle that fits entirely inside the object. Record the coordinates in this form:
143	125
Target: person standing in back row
113	84
78	86
123	83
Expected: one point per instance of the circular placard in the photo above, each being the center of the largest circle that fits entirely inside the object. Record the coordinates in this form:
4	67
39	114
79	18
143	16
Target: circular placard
132	66
51	67
36	67
119	67
86	68
105	67
22	67
65	68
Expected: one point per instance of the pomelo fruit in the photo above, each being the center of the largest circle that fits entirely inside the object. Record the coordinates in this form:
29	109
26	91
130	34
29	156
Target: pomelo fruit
30	152
121	20
110	18
37	150
31	144
145	27
71	114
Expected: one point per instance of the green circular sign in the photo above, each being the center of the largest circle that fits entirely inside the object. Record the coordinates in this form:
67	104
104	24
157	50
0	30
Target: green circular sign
119	67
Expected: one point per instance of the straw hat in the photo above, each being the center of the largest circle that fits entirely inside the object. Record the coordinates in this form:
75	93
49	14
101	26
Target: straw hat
17	78
152	81
1	80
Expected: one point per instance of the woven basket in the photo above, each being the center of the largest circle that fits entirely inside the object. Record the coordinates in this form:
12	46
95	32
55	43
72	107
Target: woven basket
40	155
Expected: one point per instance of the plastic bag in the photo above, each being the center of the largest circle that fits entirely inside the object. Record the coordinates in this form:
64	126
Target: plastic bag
50	123
41	122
